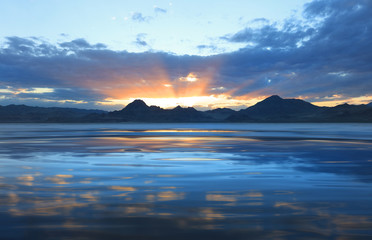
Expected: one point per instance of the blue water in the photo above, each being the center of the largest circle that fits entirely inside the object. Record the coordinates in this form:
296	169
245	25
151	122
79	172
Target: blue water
185	181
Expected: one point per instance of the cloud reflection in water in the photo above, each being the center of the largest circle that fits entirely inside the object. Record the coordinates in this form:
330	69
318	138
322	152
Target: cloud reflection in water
236	183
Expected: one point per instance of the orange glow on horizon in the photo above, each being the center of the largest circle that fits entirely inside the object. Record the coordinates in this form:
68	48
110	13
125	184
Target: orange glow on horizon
223	101
352	101
156	83
159	86
201	102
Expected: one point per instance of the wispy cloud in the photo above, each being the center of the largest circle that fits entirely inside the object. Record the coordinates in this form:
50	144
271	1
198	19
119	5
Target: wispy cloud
159	10
140	40
137	16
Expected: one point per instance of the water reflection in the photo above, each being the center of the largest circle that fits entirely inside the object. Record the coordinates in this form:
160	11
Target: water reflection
173	131
98	182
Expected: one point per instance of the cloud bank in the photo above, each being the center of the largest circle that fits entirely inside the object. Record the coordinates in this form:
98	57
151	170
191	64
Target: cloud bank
326	55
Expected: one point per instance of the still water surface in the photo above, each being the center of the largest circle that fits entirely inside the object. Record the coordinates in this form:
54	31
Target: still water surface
185	181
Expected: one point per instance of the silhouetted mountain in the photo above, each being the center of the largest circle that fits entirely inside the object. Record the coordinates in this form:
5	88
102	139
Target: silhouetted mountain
369	104
138	111
347	113
277	109
136	106
219	114
135	111
23	113
272	109
190	114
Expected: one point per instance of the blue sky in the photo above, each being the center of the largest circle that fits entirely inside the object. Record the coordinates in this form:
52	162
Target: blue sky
136	26
208	54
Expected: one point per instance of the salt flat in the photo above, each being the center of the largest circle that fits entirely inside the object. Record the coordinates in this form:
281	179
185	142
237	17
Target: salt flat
184	181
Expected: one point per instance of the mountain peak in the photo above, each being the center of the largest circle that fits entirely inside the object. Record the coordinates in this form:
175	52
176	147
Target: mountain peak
137	104
276	106
273	98
178	107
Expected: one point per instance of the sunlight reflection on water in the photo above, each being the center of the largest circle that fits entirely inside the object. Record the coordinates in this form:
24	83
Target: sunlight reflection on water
295	181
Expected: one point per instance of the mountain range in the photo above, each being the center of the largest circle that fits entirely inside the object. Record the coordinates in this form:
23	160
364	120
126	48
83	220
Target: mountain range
272	109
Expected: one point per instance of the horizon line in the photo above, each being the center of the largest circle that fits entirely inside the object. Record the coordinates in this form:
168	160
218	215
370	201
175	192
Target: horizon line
179	105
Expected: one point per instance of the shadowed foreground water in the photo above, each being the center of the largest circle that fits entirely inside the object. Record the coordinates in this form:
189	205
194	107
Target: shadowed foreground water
185	181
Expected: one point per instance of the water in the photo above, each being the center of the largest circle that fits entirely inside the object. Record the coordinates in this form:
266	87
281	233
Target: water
185	181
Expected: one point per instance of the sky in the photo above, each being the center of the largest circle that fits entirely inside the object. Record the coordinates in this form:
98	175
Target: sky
207	54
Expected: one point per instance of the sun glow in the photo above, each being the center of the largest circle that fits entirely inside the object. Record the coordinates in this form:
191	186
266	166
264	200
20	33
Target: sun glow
199	102
191	77
337	100
160	88
26	90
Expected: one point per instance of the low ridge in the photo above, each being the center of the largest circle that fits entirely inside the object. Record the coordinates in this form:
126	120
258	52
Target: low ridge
271	109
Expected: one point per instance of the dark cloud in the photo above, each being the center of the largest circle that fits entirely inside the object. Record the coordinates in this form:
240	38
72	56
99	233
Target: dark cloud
326	53
78	70
300	57
73	94
270	36
27	46
81	44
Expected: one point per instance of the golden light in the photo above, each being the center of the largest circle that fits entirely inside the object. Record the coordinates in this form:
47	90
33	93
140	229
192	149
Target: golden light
337	100
40	90
24	90
199	102
191	77
152	82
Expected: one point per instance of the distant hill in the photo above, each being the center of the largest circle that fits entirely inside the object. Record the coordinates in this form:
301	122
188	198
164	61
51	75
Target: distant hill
23	113
347	113
277	109
138	111
272	109
220	114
